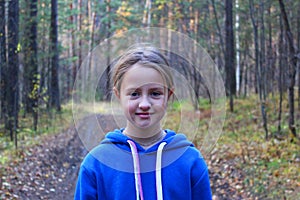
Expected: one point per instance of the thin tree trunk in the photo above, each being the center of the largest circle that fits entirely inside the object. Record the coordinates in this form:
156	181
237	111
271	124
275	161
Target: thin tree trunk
12	84
31	66
245	80
108	59
229	58
292	67
44	89
147	13
246	68
258	68
271	61
79	29
72	46
55	95
218	28
280	81
298	46
262	65
91	43
238	54
2	58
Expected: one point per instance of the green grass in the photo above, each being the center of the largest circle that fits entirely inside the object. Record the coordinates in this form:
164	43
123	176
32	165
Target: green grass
272	166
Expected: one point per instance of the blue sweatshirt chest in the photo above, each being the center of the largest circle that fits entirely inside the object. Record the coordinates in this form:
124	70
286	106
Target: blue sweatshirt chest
120	185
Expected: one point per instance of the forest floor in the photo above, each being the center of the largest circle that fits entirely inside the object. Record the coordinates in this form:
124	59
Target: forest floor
49	169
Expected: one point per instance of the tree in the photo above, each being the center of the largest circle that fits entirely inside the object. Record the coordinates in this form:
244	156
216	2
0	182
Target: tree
258	67
2	56
298	46
54	91
12	82
291	67
147	13
229	57
31	77
221	46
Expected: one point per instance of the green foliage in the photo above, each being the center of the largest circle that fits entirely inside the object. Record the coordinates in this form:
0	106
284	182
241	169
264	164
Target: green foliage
50	122
176	105
204	103
271	167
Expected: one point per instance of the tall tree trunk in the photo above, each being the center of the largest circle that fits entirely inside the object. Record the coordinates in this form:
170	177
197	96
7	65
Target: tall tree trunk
247	73
258	68
271	58
31	78
292	67
12	82
262	65
108	59
280	81
147	13
2	57
229	57
221	46
79	29
44	62
237	45
298	47
55	95
72	45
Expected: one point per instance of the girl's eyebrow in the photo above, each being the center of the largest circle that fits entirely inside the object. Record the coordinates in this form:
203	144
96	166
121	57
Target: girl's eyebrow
150	88
131	89
157	88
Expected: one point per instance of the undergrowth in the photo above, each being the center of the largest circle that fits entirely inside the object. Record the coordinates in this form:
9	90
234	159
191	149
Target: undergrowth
272	166
49	122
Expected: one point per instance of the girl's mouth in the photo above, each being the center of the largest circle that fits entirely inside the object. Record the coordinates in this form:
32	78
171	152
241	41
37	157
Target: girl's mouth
143	115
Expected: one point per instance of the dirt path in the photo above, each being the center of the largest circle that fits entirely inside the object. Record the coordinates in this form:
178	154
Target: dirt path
49	170
46	171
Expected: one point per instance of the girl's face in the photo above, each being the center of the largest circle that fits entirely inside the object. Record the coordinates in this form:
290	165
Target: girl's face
143	96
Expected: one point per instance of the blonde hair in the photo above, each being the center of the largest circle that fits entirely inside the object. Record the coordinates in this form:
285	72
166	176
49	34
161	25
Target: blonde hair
147	56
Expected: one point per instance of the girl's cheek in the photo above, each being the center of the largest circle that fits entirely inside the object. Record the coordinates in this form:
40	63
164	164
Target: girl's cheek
131	106
162	104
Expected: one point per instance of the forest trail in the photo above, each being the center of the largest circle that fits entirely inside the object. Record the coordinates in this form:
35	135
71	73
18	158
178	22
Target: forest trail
49	170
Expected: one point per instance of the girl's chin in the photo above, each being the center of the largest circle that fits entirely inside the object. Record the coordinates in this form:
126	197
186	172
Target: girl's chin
143	124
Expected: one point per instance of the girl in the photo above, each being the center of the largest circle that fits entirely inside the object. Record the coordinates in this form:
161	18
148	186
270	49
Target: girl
142	161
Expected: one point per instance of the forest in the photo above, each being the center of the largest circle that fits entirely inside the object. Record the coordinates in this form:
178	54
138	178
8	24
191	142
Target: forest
254	45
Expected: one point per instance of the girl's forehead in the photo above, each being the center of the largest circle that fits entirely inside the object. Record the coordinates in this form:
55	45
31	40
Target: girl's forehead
139	76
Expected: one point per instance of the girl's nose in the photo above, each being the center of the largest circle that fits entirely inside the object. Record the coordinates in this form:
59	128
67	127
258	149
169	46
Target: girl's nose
144	103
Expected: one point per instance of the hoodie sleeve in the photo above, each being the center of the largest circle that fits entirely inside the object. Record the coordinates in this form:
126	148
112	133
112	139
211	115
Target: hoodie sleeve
86	185
200	181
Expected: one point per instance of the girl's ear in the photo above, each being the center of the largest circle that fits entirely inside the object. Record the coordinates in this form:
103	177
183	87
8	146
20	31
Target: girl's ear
170	92
117	93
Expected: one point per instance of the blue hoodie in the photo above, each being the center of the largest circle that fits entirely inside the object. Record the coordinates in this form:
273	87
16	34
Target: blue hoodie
121	169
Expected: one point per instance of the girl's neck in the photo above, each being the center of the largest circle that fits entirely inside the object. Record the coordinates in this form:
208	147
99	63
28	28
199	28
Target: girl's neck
150	141
133	131
145	137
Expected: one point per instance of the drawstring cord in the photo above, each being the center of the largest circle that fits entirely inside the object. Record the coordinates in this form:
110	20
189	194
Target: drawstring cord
137	173
158	171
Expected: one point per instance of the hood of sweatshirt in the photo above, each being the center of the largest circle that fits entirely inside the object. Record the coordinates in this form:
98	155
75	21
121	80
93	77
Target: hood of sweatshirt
121	153
119	148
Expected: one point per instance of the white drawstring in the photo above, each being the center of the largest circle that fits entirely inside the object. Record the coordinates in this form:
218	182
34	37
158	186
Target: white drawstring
136	166
158	171
137	175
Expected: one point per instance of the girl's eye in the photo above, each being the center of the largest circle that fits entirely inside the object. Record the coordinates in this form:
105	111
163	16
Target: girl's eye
156	94
134	94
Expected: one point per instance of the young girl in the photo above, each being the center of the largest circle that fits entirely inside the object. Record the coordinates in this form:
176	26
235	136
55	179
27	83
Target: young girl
142	161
